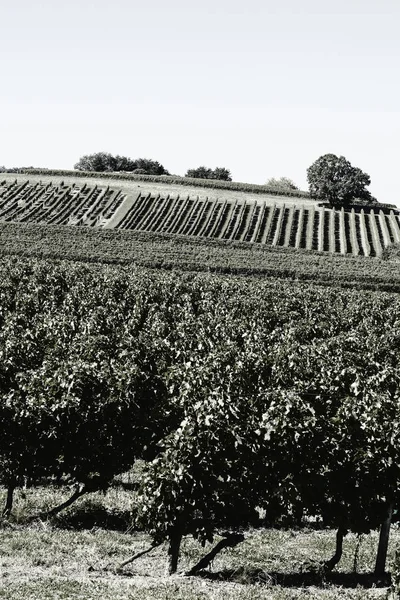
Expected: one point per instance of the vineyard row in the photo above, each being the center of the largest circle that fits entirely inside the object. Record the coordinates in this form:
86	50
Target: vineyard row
235	395
58	204
366	232
172	252
168	179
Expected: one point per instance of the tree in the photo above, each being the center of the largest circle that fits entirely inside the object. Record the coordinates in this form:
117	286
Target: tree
222	174
333	179
283	183
206	173
200	173
152	167
104	161
100	162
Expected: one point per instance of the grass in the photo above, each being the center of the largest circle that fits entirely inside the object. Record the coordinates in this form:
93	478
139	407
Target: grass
57	560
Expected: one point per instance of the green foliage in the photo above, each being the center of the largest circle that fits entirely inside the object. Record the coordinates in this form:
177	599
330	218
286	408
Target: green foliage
77	399
204	478
150	167
222	174
237	393
219	173
104	161
296	425
99	162
333	179
105	246
283	183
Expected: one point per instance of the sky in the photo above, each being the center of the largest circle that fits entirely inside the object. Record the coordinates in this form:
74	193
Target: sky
261	87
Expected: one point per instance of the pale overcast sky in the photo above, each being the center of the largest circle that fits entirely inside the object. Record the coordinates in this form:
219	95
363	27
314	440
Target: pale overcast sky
262	87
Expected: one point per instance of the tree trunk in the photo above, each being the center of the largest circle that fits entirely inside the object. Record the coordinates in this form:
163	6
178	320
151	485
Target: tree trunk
230	541
137	555
383	543
332	562
81	490
9	501
175	538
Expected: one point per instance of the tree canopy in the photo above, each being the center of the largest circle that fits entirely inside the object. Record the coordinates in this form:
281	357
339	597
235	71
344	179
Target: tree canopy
104	161
333	179
202	172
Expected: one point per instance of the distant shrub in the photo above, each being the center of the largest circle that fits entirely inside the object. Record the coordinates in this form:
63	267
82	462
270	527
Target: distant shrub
283	183
101	162
220	173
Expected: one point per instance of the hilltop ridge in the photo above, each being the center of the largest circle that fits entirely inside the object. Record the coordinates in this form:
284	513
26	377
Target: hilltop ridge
150	204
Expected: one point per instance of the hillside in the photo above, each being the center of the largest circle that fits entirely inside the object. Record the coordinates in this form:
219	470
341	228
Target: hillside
215	214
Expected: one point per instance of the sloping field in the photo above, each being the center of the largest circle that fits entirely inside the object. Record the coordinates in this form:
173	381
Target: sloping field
295	226
223	215
180	253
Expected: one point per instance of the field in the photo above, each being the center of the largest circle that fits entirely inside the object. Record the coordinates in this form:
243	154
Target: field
169	252
243	345
260	219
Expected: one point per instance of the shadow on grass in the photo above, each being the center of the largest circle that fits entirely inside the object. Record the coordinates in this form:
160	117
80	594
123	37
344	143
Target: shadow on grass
92	515
307	579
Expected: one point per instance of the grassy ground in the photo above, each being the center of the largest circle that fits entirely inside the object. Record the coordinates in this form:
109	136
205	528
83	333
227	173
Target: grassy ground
76	556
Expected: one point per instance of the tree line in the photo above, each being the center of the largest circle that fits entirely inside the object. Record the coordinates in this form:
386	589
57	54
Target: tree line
332	179
238	395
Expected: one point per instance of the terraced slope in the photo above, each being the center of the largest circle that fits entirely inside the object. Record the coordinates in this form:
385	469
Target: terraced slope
58	204
366	232
267	222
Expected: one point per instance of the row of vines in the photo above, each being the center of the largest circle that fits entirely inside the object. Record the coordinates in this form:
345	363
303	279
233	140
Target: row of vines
324	230
95	245
239	396
361	232
61	204
168	179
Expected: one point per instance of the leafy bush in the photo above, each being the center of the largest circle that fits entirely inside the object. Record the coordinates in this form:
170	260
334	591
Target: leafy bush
283	183
106	162
219	173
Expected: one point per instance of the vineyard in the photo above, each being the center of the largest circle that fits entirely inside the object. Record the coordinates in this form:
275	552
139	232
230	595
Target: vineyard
236	394
310	228
171	252
232	363
356	232
57	204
